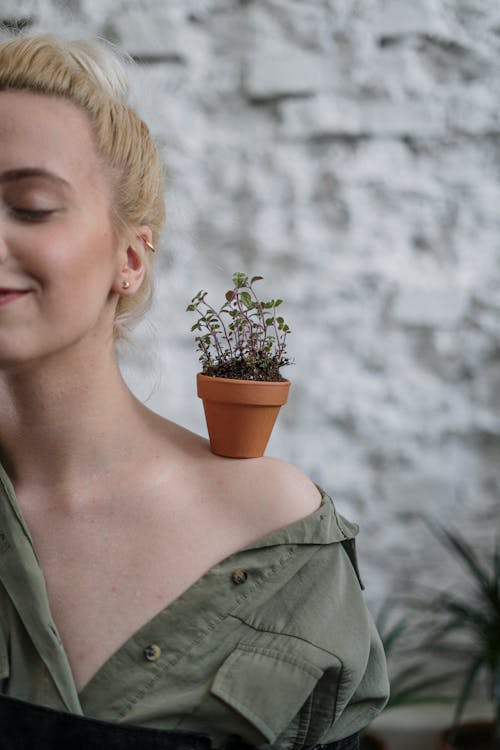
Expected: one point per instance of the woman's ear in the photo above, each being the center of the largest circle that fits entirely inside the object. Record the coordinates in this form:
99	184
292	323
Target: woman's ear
132	264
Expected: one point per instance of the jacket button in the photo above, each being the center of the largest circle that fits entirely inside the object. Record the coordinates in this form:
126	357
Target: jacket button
238	577
152	652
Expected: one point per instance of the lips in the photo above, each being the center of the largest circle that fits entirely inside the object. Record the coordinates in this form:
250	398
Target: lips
9	295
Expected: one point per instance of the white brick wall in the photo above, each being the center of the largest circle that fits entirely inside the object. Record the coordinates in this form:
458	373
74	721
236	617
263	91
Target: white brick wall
348	151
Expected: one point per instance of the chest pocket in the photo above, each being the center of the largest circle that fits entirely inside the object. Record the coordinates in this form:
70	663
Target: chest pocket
274	693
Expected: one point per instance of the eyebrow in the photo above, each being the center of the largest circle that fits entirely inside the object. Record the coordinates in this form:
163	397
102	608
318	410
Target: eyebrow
13	175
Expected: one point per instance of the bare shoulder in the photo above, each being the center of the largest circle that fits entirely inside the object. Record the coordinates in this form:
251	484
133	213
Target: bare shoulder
281	482
268	493
248	497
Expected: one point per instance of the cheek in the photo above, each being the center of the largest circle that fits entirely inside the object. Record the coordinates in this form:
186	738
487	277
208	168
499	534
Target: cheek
76	263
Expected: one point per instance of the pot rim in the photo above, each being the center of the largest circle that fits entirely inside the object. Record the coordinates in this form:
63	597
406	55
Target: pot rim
243	392
248	381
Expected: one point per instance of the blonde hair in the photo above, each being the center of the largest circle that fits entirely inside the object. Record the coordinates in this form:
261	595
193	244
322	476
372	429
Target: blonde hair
92	76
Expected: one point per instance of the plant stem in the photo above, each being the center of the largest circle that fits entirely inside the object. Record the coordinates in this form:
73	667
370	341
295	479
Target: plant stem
245	316
214	336
276	333
261	315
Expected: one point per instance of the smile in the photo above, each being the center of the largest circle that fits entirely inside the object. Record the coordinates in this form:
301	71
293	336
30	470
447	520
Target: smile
9	295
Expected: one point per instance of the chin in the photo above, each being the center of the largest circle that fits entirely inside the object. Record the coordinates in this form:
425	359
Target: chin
18	354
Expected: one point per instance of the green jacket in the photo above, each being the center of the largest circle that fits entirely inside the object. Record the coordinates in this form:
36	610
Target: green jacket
274	643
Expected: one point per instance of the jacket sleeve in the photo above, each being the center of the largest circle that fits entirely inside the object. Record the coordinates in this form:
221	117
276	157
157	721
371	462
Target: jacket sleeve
354	686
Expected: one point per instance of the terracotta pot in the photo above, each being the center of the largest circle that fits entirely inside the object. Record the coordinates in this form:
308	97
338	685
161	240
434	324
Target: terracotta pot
240	414
370	741
471	735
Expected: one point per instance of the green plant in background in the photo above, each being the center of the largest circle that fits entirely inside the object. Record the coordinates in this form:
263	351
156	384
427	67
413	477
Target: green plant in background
243	339
410	682
475	618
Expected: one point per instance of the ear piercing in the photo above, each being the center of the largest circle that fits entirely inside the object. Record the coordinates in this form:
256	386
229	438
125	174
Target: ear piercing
126	284
148	244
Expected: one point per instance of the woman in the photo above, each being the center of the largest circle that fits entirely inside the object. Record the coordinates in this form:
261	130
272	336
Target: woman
143	580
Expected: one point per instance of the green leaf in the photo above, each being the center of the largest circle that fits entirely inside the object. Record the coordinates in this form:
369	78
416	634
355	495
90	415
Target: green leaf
240	279
393	635
255	278
470	678
246	299
190	308
464	551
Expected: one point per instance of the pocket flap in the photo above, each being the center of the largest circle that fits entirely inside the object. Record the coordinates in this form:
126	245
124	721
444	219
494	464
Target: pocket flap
265	686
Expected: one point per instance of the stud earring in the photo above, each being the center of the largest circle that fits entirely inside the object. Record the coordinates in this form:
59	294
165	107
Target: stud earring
125	284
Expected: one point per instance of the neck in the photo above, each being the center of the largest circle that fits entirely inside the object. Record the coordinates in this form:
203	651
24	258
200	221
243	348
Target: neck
62	422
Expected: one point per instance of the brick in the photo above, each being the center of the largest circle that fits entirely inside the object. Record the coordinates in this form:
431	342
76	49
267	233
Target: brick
326	115
411	493
304	22
396	17
402	118
486	388
160	33
12	9
285	72
428	305
473	110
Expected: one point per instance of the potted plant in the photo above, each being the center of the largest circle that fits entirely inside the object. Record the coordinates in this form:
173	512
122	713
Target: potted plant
242	348
476	620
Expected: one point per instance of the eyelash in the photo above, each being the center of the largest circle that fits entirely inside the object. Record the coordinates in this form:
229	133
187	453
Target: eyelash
27	215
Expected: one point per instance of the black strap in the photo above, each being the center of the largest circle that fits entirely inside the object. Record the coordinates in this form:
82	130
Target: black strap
26	726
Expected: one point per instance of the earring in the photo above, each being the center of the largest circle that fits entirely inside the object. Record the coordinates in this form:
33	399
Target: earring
125	284
148	244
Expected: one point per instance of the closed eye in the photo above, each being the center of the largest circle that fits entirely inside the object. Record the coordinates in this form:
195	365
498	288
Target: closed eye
25	214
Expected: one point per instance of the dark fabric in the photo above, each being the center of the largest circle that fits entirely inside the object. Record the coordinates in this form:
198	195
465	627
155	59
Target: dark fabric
349	743
25	726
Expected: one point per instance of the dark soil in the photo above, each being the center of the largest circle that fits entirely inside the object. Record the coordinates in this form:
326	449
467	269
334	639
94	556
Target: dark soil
242	370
